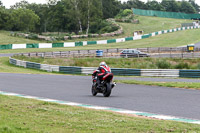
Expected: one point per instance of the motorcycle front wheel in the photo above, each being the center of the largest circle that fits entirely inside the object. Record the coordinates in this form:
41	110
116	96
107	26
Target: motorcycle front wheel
107	91
94	92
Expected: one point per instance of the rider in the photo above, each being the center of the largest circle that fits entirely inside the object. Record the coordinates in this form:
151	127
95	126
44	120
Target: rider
101	72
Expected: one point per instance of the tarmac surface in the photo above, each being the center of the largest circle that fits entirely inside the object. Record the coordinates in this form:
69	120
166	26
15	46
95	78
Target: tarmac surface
177	102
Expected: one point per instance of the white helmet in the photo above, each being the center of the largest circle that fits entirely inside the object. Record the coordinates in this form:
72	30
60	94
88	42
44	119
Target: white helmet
102	64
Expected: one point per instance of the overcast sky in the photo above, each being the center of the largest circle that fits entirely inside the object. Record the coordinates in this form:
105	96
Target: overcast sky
8	3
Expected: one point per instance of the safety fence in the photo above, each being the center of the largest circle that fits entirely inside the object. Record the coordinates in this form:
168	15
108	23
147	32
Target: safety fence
116	71
170	52
84	43
163	14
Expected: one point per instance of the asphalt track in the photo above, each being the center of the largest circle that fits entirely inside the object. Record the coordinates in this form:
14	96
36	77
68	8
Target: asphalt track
158	100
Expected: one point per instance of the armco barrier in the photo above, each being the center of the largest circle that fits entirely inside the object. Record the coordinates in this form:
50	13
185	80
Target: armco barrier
84	43
160	72
70	70
33	65
126	72
115	71
13	61
88	70
190	73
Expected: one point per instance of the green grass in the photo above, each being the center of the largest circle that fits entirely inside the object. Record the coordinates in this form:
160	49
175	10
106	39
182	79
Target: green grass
137	63
147	24
6	67
186	85
152	24
5	38
175	39
23	115
19	115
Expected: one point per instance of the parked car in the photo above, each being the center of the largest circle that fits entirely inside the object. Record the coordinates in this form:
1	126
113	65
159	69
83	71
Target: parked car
127	53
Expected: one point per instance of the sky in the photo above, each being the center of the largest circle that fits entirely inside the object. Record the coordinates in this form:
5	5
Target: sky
8	3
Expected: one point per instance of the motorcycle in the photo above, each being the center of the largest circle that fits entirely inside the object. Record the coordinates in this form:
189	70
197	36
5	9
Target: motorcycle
105	87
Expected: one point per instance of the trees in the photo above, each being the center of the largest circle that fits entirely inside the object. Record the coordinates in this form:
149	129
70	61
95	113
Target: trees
196	6
170	6
134	4
187	7
93	13
41	10
165	5
110	8
5	19
79	16
86	13
1	4
22	4
154	5
24	19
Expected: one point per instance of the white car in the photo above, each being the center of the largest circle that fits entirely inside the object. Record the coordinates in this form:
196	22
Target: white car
133	53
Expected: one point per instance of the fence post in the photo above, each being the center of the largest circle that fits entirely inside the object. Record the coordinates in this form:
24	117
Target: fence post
182	52
170	52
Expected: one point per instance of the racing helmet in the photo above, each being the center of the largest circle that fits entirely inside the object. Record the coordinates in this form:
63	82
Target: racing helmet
103	64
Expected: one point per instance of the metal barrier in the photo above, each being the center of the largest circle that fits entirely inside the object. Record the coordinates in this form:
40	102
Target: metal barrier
160	72
115	71
190	73
170	52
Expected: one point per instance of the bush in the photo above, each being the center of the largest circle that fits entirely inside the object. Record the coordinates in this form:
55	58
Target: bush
127	12
198	65
33	36
182	65
163	64
102	27
124	13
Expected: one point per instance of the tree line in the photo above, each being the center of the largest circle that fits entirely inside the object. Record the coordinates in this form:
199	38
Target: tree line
78	16
166	5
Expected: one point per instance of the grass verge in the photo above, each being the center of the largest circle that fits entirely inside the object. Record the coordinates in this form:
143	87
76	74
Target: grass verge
137	63
147	24
186	85
5	38
175	39
18	115
6	67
